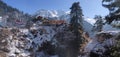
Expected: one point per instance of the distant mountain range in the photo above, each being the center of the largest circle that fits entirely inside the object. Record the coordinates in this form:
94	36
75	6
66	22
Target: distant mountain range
53	14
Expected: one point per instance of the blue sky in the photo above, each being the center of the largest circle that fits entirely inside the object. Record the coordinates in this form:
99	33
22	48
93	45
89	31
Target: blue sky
90	7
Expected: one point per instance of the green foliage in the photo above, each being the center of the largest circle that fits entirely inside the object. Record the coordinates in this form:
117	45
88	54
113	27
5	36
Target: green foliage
115	50
12	14
97	17
98	24
114	9
76	17
4	8
76	27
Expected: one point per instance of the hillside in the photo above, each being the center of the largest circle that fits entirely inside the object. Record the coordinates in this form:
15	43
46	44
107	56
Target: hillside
42	41
48	33
10	16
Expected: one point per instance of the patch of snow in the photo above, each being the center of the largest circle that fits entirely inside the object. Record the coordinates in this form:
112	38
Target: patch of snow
107	27
0	19
90	20
3	40
24	31
94	45
90	45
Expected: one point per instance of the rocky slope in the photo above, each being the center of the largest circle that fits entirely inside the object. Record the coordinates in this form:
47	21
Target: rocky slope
47	41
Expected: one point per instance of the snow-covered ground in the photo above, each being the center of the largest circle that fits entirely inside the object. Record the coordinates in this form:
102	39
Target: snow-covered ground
107	27
33	38
22	40
26	42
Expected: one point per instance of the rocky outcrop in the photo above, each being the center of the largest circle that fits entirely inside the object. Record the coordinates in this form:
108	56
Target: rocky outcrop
99	46
22	42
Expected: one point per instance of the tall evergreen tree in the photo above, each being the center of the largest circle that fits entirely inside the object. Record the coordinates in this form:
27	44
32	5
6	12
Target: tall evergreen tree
76	18
76	15
76	27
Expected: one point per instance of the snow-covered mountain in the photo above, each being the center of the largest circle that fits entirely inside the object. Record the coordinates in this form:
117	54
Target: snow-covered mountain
50	13
90	20
59	14
53	14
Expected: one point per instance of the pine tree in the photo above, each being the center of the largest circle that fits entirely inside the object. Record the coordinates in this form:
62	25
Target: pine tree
76	27
76	15
98	24
114	9
76	19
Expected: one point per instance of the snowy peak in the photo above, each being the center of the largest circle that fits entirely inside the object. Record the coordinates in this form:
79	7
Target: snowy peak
45	13
51	13
59	14
90	20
